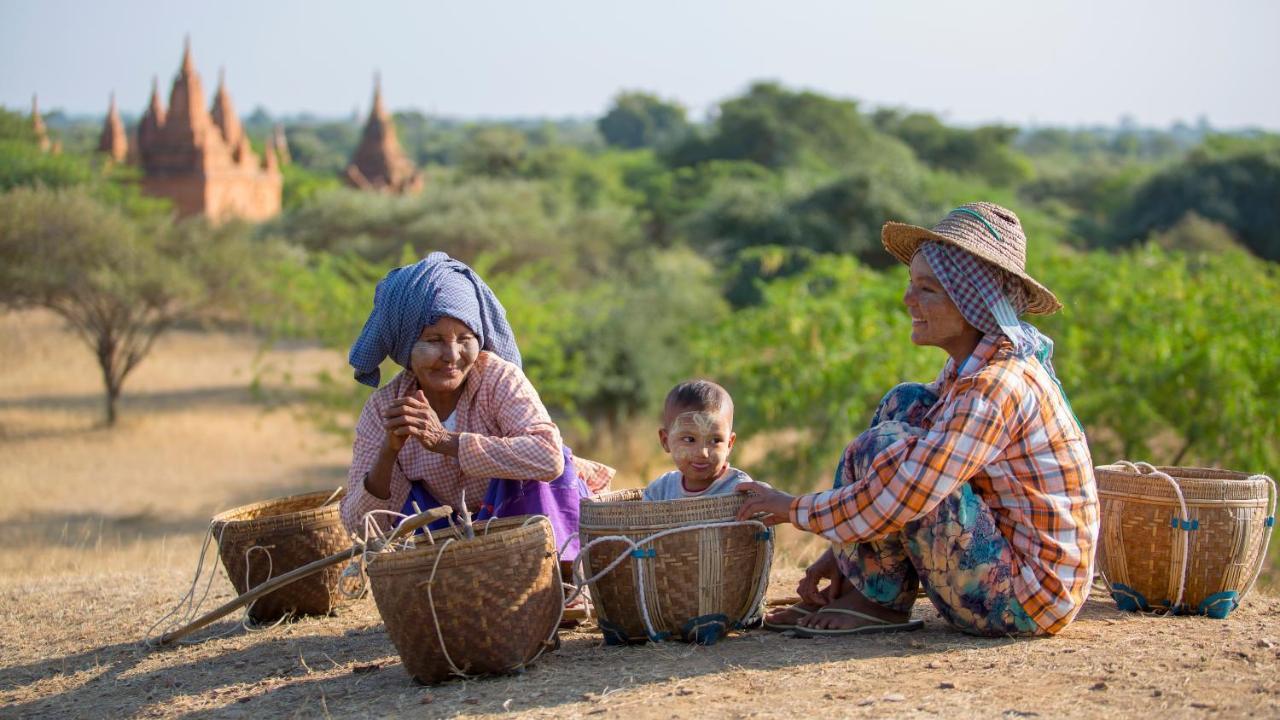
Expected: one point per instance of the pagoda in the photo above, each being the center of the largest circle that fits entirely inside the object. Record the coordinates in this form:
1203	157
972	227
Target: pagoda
379	162
113	142
202	160
37	126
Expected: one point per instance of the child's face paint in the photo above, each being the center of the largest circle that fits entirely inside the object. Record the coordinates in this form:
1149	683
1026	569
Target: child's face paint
699	442
444	355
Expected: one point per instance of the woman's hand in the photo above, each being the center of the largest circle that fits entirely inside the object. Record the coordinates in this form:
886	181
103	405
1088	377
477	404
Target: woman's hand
412	416
824	568
764	499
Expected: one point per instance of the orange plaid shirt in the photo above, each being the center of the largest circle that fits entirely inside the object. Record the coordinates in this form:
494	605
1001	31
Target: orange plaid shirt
1001	425
504	432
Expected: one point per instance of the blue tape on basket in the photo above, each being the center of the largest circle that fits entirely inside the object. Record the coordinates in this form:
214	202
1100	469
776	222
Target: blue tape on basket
659	637
642	553
1128	599
1219	605
705	629
1271	520
1187	525
765	536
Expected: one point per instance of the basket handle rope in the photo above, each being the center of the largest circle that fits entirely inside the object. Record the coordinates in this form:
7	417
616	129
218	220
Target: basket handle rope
1272	492
1180	526
431	603
635	549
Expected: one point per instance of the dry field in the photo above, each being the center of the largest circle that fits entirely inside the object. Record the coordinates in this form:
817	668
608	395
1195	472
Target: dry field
100	529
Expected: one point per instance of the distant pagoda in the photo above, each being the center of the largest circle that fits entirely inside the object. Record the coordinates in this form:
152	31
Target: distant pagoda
202	160
113	142
38	128
379	162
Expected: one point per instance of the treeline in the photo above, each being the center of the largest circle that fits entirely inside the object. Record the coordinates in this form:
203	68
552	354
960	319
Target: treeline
644	248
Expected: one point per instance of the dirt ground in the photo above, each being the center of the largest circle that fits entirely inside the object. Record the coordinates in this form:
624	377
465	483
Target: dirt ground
101	528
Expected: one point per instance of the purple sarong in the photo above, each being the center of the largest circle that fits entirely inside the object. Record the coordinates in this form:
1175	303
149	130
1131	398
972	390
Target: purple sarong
558	500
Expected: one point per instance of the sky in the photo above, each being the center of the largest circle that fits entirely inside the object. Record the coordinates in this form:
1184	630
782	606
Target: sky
1025	63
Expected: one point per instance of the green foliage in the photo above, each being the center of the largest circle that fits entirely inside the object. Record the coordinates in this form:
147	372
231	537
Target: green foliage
779	128
518	220
302	185
22	164
1237	188
641	120
985	151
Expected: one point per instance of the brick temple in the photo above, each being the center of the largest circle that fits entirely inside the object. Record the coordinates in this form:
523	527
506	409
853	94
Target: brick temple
200	159
379	162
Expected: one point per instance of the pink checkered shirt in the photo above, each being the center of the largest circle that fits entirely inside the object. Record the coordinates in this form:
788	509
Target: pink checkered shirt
504	432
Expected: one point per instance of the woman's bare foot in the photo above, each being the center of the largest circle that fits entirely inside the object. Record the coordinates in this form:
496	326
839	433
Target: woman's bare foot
790	616
851	599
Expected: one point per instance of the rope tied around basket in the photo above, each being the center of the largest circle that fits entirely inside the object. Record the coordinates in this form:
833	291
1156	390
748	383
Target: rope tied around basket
635	549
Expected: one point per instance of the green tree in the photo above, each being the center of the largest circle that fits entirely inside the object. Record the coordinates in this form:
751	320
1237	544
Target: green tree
118	281
641	120
1238	188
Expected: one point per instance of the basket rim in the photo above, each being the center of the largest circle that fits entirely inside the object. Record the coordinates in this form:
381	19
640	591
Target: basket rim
318	516
502	534
631	513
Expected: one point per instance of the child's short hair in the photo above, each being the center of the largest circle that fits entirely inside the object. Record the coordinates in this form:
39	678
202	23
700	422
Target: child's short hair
696	396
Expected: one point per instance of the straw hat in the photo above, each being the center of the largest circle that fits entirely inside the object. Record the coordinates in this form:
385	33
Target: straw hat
988	231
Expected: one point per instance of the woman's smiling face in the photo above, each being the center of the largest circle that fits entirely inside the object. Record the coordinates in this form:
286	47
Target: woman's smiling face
935	319
443	355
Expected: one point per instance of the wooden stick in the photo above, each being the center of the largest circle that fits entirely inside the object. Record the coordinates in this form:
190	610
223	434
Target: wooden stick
410	525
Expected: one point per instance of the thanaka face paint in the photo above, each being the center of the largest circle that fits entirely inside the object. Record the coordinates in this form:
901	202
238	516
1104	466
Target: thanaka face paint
699	443
443	355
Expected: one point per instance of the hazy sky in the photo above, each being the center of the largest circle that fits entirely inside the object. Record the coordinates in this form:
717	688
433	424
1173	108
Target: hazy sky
1038	62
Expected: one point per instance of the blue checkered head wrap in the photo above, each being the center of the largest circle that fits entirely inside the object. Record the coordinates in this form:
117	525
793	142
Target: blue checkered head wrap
412	297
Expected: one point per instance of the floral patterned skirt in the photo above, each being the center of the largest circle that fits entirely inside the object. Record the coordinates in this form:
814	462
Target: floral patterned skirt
955	551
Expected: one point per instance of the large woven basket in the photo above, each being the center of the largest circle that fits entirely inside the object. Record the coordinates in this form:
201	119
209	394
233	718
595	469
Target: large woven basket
1182	539
268	539
688	569
471	607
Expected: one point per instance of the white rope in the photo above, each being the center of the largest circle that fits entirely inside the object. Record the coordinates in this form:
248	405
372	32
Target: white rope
435	620
579	564
1180	536
152	638
1272	493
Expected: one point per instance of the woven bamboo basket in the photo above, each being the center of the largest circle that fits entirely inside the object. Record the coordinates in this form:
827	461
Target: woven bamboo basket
267	539
686	569
456	607
1182	539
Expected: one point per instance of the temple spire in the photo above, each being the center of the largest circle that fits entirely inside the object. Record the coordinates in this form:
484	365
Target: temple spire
37	125
113	141
224	113
188	64
378	109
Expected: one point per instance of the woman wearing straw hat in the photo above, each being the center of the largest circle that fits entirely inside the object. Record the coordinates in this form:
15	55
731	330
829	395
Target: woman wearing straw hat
979	485
460	425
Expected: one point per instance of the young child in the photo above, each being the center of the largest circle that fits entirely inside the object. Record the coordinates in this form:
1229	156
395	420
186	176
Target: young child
697	430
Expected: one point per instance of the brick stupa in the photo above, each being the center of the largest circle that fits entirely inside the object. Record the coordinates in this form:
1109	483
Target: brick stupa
379	162
201	160
113	142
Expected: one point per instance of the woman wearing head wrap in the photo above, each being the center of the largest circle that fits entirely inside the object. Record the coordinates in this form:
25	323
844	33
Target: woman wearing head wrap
978	486
461	425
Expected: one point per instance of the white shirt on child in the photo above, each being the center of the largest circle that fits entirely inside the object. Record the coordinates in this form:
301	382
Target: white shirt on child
671	486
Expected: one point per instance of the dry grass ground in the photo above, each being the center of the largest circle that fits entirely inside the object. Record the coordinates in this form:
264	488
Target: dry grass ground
100	529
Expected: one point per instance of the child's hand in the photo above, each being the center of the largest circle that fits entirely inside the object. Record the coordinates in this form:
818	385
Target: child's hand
764	499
